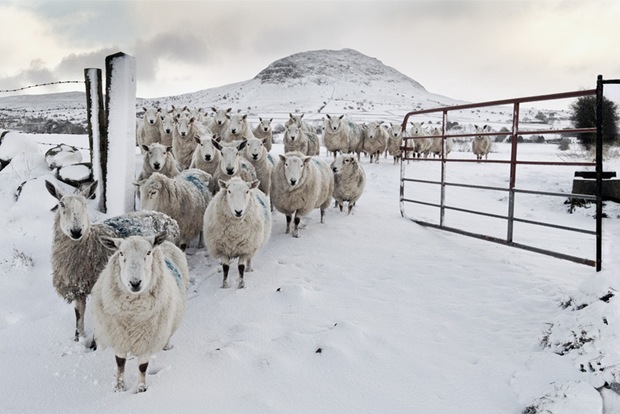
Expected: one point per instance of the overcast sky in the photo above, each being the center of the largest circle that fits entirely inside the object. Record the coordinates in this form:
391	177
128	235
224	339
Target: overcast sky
465	49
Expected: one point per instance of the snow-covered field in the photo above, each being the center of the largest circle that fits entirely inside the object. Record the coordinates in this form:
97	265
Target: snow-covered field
362	314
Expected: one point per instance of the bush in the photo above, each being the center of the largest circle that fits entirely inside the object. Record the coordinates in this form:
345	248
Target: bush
584	116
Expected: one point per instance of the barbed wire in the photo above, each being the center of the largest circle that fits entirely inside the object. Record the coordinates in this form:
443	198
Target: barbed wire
38	85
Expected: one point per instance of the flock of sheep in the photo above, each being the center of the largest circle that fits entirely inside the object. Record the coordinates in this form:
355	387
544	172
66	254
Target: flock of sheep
210	178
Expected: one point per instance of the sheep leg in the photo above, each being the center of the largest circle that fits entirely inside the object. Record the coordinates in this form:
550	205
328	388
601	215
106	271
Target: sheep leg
143	365
225	268
80	308
241	273
296	226
350	207
288	224
120	374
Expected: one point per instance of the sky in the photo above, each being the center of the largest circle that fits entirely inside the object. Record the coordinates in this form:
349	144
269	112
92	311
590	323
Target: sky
470	50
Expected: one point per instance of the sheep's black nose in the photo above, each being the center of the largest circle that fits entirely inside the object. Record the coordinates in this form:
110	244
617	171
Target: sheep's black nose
334	169
135	285
76	234
207	158
230	171
234	131
238	213
157	166
293	182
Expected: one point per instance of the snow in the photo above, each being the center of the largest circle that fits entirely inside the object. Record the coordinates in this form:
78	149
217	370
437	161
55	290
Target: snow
367	312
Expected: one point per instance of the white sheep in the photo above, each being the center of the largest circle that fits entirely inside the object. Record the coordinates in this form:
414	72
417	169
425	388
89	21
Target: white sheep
297	120
206	156
349	180
232	164
78	257
158	158
184	198
375	140
183	144
336	135
297	139
237	224
299	184
218	123
259	157
395	141
421	145
356	138
437	143
167	126
264	131
481	145
149	130
139	300
237	129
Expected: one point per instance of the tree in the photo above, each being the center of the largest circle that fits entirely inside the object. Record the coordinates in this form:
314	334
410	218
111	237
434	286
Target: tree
584	116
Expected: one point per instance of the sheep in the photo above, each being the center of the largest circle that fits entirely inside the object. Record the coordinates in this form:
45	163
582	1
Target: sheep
356	138
149	130
395	142
375	140
419	146
257	154
184	198
336	135
78	257
206	156
238	128
296	139
297	120
437	143
481	145
264	131
158	158
219	122
232	164
349	180
183	144
166	128
139	300
237	223
299	184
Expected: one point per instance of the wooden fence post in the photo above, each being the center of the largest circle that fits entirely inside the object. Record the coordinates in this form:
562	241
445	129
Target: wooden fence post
97	133
121	134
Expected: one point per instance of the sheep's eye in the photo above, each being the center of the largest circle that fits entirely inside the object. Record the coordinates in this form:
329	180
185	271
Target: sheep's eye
148	253
120	254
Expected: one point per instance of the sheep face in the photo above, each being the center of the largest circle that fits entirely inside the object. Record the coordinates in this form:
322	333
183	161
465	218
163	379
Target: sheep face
238	195
220	115
135	260
207	149
72	210
157	155
151	115
371	129
265	124
150	190
417	129
229	163
167	123
254	148
395	130
334	123
237	124
183	126
294	169
293	132
295	120
343	162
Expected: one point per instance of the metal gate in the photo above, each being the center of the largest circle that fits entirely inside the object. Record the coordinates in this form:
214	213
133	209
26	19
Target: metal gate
505	208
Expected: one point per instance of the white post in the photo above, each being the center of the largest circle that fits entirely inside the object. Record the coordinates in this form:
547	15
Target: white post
97	137
121	120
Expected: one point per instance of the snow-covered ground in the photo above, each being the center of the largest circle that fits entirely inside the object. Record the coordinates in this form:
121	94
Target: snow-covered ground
365	313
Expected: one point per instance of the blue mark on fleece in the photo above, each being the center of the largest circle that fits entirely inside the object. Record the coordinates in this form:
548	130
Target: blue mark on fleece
270	158
175	272
265	211
198	183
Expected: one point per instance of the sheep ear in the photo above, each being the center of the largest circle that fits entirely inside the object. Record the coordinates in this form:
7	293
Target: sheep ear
169	149
228	110
197	138
282	157
242	144
245	116
53	190
222	183
159	238
270	119
110	242
328	117
144	108
307	160
216	143
254	184
89	193
145	147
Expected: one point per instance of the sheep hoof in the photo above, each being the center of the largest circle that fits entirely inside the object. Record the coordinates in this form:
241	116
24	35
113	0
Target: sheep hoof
168	346
141	388
225	285
119	387
241	285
